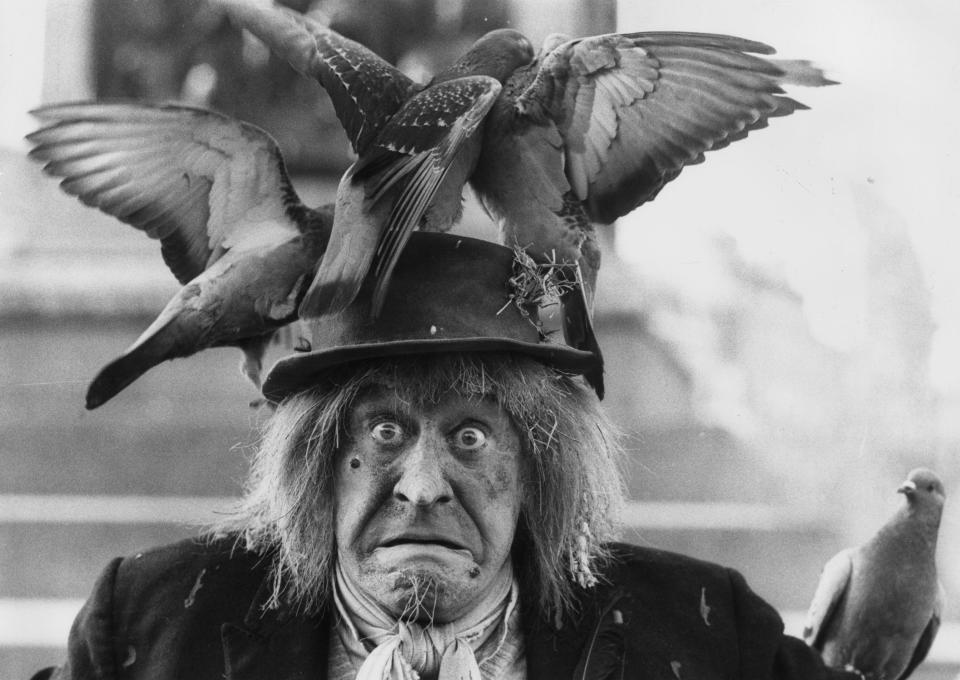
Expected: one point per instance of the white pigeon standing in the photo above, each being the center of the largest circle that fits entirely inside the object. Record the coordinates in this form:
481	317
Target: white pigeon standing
877	607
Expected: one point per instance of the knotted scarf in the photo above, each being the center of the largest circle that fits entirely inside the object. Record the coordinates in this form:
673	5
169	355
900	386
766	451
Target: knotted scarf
399	648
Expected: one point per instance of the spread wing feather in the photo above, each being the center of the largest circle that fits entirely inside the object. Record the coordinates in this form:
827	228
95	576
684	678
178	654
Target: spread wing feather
365	89
635	109
197	181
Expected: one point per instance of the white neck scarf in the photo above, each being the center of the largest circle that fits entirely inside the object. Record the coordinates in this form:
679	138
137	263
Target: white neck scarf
403	650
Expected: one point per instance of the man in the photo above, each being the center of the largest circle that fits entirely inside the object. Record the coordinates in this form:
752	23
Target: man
433	498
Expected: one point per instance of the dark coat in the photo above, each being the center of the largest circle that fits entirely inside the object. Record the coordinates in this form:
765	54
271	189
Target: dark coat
196	610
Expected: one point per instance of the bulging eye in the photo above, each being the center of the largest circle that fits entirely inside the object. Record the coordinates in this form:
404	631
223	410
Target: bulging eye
387	433
470	438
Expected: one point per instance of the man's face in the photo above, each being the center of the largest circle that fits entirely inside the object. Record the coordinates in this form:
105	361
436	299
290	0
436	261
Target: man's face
427	500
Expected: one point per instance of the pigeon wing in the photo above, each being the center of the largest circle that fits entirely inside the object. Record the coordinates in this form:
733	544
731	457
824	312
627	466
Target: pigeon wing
929	634
634	109
357	227
365	89
834	580
199	182
415	151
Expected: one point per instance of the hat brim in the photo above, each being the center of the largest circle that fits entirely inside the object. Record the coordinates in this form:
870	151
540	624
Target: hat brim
296	373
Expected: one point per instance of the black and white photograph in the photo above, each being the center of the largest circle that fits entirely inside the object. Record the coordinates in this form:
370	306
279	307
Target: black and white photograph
479	339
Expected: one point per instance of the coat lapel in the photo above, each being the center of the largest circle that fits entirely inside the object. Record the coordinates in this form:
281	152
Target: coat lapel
275	643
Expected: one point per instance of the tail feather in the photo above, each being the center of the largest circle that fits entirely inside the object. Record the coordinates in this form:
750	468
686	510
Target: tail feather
357	225
336	284
172	338
173	334
578	330
137	360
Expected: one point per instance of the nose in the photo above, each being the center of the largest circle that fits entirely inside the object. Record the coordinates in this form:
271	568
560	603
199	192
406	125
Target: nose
422	479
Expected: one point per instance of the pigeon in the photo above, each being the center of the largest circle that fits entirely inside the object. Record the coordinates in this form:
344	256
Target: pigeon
595	127
876	610
417	144
216	194
581	133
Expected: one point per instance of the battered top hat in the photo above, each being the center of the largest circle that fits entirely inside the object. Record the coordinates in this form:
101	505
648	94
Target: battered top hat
447	294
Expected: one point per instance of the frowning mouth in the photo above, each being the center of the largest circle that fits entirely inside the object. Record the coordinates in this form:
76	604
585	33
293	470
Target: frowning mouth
403	540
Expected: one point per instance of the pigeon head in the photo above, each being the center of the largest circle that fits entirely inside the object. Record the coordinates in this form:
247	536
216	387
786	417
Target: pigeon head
921	482
497	54
923	490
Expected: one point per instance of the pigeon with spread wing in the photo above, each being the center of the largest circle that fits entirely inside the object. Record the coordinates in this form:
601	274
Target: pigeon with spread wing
584	132
596	126
216	194
417	145
877	607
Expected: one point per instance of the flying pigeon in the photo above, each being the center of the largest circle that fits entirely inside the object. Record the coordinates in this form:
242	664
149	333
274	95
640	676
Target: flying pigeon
216	194
877	607
584	132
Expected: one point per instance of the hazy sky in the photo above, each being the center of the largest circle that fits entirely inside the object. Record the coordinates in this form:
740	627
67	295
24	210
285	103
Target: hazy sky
888	133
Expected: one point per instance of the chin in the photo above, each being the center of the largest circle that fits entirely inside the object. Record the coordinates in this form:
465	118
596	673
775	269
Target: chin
423	583
426	592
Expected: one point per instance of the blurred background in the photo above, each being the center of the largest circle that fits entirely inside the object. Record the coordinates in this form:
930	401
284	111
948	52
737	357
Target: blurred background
780	326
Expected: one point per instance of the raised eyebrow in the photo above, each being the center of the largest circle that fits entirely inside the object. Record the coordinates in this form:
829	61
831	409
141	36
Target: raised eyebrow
380	403
391	412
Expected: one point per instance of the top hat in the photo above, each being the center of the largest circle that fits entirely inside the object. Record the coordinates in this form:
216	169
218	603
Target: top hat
448	293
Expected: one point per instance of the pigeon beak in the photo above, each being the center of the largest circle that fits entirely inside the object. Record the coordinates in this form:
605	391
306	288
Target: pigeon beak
907	488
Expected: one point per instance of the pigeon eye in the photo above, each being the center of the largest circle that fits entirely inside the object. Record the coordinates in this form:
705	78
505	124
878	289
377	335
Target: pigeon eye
930	487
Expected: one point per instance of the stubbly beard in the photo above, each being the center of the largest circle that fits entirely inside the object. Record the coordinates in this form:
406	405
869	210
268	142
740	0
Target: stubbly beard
421	591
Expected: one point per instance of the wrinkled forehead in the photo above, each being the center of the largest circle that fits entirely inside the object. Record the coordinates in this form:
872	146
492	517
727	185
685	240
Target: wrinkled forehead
403	394
419	382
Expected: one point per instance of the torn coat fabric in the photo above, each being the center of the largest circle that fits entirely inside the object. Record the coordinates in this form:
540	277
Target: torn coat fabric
197	609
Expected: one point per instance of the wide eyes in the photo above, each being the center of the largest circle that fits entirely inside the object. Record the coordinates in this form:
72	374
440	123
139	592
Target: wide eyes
469	438
387	433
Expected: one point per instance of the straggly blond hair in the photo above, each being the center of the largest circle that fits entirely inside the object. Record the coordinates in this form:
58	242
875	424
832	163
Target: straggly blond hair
571	486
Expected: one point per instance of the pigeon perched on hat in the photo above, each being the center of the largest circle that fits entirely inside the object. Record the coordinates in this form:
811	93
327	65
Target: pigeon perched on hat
583	132
216	194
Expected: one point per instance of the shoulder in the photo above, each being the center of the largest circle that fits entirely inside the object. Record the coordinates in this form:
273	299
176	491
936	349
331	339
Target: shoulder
171	601
702	614
164	565
691	592
698	612
218	571
628	557
633	568
158	613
